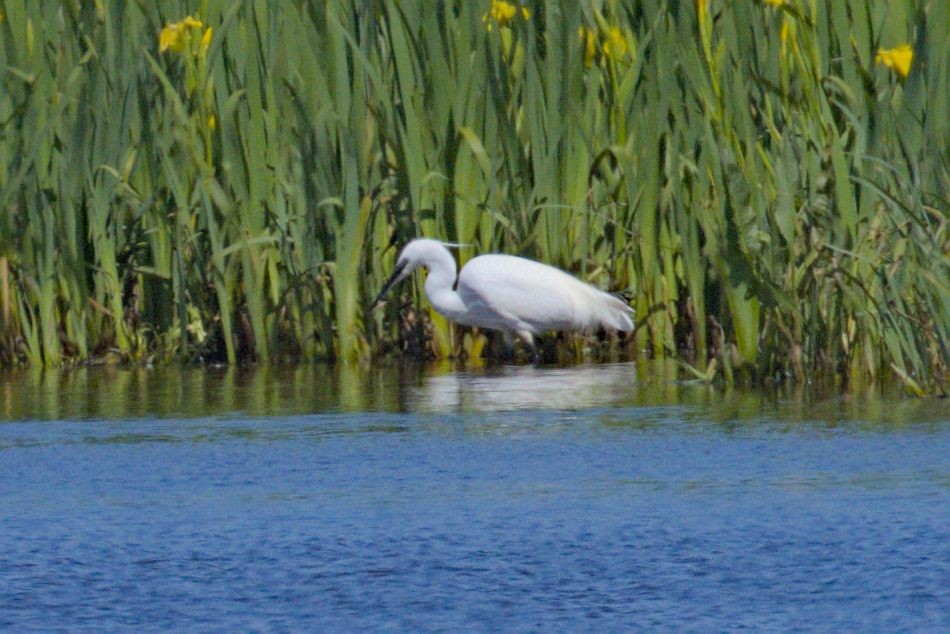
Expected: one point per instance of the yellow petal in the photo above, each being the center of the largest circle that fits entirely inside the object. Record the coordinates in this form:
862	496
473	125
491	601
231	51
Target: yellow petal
191	22
903	56
170	38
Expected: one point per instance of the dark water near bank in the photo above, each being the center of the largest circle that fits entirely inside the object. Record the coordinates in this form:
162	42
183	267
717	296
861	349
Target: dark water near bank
598	498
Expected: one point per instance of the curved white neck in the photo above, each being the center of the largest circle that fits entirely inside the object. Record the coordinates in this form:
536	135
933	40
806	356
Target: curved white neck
439	285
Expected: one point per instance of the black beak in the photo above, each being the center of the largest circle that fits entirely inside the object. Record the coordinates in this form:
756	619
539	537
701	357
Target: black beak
381	298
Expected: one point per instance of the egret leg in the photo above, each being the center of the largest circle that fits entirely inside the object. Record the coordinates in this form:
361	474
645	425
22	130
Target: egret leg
528	339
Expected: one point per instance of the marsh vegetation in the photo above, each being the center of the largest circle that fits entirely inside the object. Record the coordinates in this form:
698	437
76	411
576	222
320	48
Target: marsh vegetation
766	181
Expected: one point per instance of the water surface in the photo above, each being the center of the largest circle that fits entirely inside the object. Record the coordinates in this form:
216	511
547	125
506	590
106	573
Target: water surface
519	498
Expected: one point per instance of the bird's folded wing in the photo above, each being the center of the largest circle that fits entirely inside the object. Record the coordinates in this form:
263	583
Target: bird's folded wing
529	295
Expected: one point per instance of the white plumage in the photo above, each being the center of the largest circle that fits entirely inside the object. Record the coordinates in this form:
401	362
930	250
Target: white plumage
508	293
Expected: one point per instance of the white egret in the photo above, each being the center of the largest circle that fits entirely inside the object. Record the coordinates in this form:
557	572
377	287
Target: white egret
508	293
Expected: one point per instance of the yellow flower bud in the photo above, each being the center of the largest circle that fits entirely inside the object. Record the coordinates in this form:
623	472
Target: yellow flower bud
702	10
589	39
205	42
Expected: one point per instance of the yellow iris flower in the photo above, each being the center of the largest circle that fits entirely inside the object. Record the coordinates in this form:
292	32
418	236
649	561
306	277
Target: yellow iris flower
615	43
774	3
898	59
503	13
176	35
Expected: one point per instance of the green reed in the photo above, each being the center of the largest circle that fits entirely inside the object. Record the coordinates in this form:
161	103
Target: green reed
770	195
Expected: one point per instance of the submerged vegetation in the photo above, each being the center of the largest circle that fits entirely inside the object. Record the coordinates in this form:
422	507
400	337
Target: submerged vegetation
766	181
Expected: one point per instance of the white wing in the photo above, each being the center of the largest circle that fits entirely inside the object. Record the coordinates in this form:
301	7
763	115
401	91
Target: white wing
511	293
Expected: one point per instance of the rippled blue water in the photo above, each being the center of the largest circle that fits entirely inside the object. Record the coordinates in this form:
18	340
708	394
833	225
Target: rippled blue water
526	499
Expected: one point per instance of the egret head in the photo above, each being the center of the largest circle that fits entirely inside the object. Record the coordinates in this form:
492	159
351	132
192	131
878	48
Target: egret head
419	252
